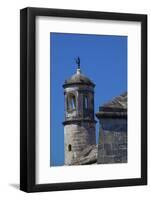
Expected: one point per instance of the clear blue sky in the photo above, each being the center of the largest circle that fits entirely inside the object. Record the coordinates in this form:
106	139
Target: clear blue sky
103	60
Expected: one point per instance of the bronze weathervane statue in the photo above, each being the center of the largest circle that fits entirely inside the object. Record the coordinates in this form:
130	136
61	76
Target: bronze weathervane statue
77	61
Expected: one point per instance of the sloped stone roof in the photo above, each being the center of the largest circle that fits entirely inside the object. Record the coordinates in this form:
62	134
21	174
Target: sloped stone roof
78	78
116	108
117	102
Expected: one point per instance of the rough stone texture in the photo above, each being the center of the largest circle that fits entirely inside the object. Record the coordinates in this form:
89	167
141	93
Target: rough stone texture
112	146
78	78
87	156
80	113
79	137
79	124
118	102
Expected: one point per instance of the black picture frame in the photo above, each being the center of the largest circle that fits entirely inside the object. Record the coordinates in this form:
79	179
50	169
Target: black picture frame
28	98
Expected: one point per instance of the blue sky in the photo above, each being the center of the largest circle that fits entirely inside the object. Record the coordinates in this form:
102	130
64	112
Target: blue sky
103	60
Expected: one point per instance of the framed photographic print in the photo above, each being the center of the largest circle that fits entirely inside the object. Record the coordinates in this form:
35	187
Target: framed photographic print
83	99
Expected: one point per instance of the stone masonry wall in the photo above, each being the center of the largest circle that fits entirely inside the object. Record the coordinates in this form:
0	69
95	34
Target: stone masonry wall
112	147
79	136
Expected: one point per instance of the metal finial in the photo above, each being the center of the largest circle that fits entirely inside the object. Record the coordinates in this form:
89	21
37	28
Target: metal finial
78	61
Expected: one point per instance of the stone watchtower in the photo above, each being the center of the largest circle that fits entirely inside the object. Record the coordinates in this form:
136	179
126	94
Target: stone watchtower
79	124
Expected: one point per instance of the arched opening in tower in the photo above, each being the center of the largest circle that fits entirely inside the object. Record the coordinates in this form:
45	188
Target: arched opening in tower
85	102
71	102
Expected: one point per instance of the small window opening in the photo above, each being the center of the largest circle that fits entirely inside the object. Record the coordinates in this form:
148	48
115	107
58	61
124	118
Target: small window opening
71	102
69	147
85	102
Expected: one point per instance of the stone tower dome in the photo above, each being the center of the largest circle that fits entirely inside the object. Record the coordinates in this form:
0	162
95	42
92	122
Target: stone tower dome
79	123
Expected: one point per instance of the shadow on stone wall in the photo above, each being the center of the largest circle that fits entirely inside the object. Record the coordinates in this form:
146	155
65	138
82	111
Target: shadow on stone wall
112	144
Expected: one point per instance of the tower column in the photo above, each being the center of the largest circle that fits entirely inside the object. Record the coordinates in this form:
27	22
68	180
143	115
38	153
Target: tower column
79	123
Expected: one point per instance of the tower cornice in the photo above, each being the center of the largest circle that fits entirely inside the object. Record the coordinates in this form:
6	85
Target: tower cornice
77	83
78	121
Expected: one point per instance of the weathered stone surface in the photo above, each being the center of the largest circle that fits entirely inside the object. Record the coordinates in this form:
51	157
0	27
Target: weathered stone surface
118	102
79	137
117	108
78	78
79	124
112	146
87	156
